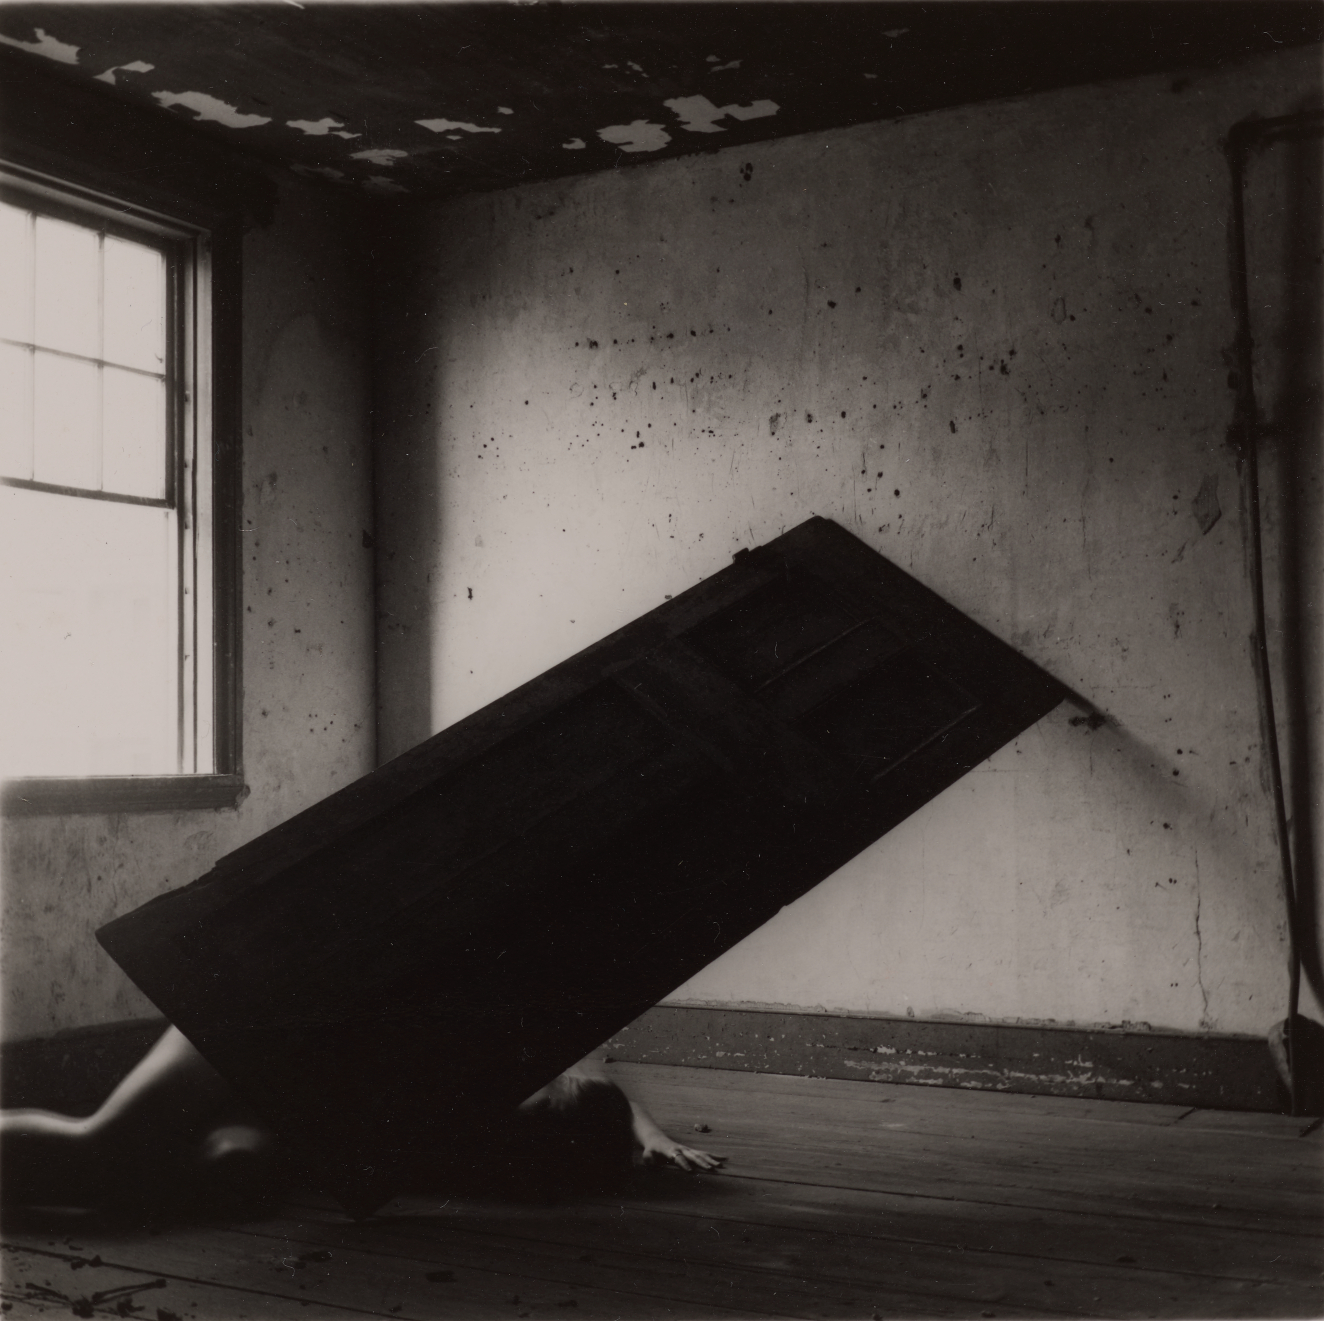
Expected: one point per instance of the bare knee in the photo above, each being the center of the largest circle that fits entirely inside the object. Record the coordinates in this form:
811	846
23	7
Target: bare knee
171	1096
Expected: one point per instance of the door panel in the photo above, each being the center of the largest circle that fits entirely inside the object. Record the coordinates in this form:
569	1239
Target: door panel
452	930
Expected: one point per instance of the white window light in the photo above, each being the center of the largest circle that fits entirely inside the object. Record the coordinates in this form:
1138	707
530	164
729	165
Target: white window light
106	584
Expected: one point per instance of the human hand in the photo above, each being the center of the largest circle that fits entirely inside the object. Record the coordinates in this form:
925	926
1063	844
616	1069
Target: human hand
661	1149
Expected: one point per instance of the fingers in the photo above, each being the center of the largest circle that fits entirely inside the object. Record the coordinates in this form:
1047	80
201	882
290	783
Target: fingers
692	1157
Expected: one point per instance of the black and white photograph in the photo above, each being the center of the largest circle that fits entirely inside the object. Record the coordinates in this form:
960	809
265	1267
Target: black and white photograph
661	660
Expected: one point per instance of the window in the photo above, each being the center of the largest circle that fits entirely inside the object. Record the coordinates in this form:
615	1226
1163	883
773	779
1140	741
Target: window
107	592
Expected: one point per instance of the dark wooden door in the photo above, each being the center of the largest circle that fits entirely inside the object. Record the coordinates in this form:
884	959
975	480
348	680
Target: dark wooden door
452	930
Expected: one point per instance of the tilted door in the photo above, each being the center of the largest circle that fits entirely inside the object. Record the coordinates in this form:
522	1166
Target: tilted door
448	933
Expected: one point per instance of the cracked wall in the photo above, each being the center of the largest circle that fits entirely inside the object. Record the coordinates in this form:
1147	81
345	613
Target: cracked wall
989	341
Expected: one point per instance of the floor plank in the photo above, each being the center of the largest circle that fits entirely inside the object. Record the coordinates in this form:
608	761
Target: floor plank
686	1262
922	1099
40	1281
913	1266
1205	1176
957	1113
842	1200
269	1267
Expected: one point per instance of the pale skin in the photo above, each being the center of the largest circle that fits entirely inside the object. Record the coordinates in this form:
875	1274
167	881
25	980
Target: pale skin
173	1107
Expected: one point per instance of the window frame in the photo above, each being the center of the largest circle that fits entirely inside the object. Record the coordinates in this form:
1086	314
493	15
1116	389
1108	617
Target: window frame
203	422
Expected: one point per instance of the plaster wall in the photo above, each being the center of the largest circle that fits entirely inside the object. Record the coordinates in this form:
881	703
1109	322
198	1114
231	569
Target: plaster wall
992	342
1285	288
306	640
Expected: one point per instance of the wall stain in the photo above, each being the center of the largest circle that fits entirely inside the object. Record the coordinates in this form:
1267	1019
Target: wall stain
1205	505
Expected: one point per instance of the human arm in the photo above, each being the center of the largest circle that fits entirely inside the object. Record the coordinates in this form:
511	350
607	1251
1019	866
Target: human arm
658	1146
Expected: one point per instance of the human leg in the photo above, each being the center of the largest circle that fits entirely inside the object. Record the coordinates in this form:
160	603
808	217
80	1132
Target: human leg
139	1140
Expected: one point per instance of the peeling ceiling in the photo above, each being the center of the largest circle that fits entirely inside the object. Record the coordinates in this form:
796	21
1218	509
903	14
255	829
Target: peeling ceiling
428	99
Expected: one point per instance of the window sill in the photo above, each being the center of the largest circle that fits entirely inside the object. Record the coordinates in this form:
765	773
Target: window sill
71	795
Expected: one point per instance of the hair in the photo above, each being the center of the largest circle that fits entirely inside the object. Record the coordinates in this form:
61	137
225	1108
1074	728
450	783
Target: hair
578	1134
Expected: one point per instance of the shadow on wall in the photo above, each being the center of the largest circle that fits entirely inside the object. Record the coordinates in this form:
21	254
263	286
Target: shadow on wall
1284	216
407	481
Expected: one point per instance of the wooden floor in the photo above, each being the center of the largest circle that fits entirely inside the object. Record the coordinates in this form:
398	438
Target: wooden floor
842	1199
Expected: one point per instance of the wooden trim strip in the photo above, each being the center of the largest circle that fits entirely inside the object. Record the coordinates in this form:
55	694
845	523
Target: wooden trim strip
77	1068
226	339
84	492
47	796
1203	1070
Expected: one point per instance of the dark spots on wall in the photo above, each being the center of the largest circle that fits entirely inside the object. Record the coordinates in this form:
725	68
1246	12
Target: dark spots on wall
897	492
952	425
831	303
470	590
593	344
956	283
774	422
809	417
1095	720
747	171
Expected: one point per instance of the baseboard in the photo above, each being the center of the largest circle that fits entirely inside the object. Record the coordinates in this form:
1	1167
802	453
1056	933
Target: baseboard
1214	1072
74	1071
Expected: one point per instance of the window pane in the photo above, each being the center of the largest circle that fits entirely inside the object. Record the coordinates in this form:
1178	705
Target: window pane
88	632
133	445
67	422
68	287
135	304
15	273
15	411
